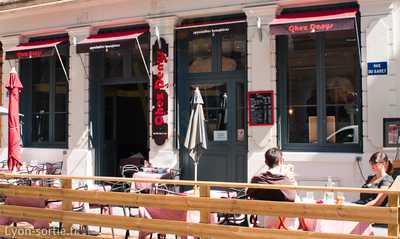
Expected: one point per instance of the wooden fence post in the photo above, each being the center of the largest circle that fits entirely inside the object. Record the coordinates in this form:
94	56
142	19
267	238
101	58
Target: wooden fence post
67	204
204	213
393	229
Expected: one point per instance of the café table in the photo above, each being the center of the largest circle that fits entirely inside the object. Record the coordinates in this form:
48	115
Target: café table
149	175
191	216
339	226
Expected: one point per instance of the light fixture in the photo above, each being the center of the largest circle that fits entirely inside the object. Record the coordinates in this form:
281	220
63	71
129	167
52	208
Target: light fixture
259	28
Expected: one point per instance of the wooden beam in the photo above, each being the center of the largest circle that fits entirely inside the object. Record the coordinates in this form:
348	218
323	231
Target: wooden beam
170	226
208	183
67	203
387	215
393	228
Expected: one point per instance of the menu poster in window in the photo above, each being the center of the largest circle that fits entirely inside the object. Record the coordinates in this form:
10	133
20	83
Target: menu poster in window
261	108
391	132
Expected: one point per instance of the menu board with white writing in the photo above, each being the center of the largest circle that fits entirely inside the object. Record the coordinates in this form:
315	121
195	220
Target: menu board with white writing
261	108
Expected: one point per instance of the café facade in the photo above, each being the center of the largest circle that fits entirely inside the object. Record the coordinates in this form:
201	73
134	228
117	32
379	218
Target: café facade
107	80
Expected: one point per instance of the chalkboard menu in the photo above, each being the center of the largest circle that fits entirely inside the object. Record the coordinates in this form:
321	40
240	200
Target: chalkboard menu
261	108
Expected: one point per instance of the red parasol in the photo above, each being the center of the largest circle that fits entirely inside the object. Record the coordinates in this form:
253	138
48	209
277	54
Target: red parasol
14	87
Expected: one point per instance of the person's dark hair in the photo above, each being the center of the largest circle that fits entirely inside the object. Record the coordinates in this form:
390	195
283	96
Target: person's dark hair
272	157
381	157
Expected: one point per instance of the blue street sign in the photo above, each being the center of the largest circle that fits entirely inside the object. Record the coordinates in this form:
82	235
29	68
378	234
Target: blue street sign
377	68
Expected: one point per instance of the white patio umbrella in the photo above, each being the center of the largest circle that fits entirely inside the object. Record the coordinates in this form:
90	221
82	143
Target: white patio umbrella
196	138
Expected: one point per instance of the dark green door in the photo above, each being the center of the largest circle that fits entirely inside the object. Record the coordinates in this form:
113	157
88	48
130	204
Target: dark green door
216	63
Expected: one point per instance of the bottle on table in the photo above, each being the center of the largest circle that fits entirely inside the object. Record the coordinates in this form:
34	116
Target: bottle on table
329	197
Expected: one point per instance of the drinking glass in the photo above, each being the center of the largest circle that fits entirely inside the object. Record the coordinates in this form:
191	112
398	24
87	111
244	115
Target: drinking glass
340	198
309	197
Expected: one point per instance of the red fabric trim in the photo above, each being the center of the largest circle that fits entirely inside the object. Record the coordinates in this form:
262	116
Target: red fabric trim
51	42
117	34
210	23
315	16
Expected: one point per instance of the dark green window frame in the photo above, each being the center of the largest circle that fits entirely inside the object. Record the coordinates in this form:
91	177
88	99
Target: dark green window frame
282	84
26	75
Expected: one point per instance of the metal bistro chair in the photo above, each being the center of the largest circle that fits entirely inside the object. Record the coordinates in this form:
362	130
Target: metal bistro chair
231	218
127	171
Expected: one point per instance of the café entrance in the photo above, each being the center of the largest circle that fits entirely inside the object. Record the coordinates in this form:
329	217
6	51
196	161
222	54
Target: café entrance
119	97
213	58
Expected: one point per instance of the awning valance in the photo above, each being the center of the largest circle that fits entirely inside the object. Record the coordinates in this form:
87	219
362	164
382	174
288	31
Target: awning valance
314	21
109	40
34	49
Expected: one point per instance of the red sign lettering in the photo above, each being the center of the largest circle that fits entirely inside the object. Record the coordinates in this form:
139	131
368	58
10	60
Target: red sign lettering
28	54
311	27
160	95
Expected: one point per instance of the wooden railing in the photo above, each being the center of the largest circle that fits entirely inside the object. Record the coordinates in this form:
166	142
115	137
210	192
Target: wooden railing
206	205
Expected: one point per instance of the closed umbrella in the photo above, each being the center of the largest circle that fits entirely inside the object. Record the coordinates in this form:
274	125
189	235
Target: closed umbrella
14	87
196	138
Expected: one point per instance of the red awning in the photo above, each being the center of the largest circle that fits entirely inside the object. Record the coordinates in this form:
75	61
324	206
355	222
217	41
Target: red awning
34	49
316	21
108	40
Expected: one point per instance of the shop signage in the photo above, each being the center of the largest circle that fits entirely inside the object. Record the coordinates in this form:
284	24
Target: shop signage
377	68
30	54
261	108
312	27
220	135
212	31
160	95
106	47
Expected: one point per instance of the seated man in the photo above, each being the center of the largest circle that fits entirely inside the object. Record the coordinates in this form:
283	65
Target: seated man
277	173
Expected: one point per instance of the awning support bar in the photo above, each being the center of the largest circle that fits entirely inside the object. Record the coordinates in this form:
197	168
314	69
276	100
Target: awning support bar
144	60
62	63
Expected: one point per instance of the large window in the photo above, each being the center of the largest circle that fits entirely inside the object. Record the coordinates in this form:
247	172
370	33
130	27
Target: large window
319	91
44	101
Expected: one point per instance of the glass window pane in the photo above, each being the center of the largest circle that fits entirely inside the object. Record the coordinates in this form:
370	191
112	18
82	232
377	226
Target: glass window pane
40	97
60	127
61	97
215	108
341	58
40	85
233	49
302	125
60	75
113	64
138	68
40	127
301	89
240	112
199	55
40	70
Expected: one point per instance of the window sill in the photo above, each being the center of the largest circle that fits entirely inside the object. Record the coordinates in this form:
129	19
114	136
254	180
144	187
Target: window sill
47	146
344	148
326	157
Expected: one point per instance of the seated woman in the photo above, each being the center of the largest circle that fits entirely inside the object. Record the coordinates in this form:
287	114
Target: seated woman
381	166
277	173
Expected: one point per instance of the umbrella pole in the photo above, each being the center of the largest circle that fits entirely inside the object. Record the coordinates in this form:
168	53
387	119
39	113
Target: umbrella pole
195	171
